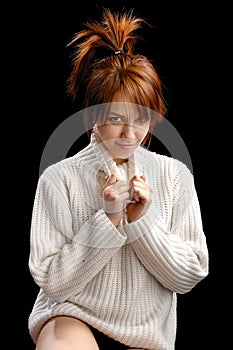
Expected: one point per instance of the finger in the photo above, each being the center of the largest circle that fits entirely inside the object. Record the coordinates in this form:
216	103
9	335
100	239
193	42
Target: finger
115	204
112	179
115	190
140	189
141	179
139	184
117	187
141	194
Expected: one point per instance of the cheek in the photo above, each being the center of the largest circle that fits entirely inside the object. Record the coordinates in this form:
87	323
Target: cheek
109	132
142	132
106	133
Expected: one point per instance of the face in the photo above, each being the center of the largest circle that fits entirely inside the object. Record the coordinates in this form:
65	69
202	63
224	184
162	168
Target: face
124	128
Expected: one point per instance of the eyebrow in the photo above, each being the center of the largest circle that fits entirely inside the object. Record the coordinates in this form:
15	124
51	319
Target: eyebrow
117	114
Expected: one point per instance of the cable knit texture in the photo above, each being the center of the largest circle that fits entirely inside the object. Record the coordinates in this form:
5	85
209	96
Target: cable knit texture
123	281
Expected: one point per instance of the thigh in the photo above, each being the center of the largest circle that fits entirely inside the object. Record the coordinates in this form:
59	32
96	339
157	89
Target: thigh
66	333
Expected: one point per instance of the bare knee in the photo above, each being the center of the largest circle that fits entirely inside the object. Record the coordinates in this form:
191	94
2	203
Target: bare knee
66	333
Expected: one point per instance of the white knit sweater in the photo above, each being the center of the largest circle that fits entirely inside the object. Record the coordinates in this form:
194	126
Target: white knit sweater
122	281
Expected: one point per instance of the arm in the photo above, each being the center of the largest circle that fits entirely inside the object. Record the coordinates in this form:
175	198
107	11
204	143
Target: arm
61	261
176	256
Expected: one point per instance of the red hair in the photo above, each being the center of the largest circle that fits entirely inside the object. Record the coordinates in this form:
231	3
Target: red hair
105	64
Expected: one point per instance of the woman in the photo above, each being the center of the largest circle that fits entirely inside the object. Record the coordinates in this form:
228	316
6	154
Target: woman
116	229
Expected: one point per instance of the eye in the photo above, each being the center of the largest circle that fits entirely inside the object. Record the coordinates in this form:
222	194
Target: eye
114	119
142	119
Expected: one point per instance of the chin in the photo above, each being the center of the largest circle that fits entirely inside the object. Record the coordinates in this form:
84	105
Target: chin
123	155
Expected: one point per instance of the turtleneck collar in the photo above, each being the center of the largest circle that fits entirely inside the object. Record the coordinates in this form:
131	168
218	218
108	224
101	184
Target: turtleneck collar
106	162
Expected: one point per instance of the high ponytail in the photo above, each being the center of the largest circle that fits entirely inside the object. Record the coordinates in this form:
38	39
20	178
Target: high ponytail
105	65
113	35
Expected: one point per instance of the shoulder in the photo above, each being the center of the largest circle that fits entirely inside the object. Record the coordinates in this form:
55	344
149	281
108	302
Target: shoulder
168	167
163	160
64	168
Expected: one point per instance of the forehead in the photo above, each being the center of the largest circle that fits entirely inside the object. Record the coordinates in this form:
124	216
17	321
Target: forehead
123	104
127	109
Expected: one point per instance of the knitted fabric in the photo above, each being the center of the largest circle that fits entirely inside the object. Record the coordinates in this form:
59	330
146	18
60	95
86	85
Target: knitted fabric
123	281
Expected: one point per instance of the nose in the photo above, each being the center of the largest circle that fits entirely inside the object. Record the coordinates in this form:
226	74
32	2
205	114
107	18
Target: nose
128	131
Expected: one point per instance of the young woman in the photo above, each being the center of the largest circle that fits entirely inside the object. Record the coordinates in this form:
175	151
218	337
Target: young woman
116	229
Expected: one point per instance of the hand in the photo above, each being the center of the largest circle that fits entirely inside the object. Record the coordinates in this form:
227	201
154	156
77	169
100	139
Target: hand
141	193
115	193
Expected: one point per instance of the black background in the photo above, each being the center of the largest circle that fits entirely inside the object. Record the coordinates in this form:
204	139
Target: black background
184	45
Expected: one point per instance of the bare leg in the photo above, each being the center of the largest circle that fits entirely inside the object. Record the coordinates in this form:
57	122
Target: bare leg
66	333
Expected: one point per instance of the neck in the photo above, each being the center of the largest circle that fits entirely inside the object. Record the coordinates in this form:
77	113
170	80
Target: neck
120	160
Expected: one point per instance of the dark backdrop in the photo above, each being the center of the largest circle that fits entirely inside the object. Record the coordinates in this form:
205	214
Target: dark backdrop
182	45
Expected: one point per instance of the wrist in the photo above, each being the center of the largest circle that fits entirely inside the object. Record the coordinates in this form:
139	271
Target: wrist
115	218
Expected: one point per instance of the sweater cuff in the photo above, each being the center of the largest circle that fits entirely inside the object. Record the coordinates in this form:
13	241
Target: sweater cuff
99	232
136	229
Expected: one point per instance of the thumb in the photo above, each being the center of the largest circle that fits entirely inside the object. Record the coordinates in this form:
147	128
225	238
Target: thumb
113	179
143	177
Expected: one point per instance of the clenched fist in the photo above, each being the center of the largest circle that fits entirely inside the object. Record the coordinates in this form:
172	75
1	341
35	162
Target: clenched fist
141	194
115	194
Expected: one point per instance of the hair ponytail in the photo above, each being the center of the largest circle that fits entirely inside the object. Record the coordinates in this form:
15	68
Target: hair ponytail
112	36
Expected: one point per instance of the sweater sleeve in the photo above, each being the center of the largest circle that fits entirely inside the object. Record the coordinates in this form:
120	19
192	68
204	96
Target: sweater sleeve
61	261
175	254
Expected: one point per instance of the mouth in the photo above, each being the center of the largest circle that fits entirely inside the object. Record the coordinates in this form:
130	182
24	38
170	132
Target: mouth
126	146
